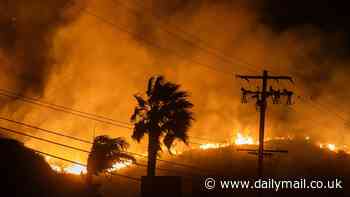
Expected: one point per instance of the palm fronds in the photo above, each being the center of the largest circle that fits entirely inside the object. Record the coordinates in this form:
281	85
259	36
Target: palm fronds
105	152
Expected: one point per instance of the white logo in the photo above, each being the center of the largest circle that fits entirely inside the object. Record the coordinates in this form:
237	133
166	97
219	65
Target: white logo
209	183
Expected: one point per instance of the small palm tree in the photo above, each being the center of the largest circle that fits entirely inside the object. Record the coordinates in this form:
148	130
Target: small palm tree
164	113
105	151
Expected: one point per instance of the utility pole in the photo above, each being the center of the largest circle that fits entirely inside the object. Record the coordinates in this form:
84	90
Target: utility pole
261	97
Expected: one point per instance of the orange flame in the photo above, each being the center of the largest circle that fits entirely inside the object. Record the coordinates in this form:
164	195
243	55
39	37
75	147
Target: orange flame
331	147
243	139
239	140
79	169
75	169
212	146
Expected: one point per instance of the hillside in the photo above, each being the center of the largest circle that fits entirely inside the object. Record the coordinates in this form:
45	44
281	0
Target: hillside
26	173
304	159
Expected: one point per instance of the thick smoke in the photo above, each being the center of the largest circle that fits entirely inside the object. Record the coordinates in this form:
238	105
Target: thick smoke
27	31
254	32
98	61
27	28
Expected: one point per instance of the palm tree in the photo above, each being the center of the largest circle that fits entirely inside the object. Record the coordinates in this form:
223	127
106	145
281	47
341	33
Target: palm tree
163	113
105	151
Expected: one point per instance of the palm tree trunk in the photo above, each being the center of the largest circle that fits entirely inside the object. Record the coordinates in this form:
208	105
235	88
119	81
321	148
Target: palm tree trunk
88	179
152	154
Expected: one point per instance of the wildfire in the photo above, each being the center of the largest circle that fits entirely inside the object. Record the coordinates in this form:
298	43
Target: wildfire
75	169
174	151
56	168
212	146
241	139
331	147
334	148
120	165
79	169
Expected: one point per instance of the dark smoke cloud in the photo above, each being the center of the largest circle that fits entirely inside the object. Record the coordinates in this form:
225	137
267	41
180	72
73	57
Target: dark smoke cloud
327	15
26	31
307	40
176	18
315	20
105	66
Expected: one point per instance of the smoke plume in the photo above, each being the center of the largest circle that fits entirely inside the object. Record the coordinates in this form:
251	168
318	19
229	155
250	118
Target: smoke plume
97	61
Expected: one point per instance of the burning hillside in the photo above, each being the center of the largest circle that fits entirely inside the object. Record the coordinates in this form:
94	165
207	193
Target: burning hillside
239	141
50	51
73	70
304	158
242	139
79	169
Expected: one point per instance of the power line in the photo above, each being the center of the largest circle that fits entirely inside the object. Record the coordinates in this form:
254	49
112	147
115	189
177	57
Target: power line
209	140
50	106
46	130
43	139
138	36
52	142
261	101
145	40
168	170
217	53
84	165
61	108
148	42
86	151
74	112
323	108
208	49
172	162
77	163
312	121
320	107
111	23
14	94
